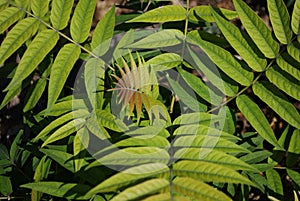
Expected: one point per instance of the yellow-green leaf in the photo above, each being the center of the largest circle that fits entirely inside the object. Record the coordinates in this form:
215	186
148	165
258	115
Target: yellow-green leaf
39	8
278	102
162	14
289	65
257	119
280	20
23	30
82	20
35	53
294	50
60	70
239	43
60	13
8	17
296	18
257	29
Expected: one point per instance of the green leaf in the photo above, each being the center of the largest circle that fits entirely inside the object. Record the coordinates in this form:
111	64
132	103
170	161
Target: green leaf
108	120
289	65
3	4
239	43
204	130
257	119
255	157
10	95
8	17
60	121
213	156
94	71
61	189
198	189
95	127
295	18
226	62
135	156
60	13
39	8
203	13
164	38
3	152
202	118
207	143
78	150
127	39
294	51
209	172
162	14
103	33
294	142
295	176
41	45
36	91
280	20
61	157
130	176
188	99
204	64
278	102
284	81
21	32
65	131
142	189
82	20
5	185
257	29
164	61
200	87
274	182
60	70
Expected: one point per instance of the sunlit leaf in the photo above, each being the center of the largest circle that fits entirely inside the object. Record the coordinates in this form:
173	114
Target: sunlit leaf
203	13
60	13
8	17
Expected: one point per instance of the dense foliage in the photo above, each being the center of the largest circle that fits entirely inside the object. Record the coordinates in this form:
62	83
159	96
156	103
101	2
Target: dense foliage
167	102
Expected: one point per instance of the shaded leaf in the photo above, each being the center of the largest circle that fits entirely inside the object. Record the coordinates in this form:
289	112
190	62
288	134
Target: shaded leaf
82	20
164	61
274	182
294	142
162	14
280	20
60	70
60	13
295	176
21	32
5	185
203	13
257	29
257	119
60	189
